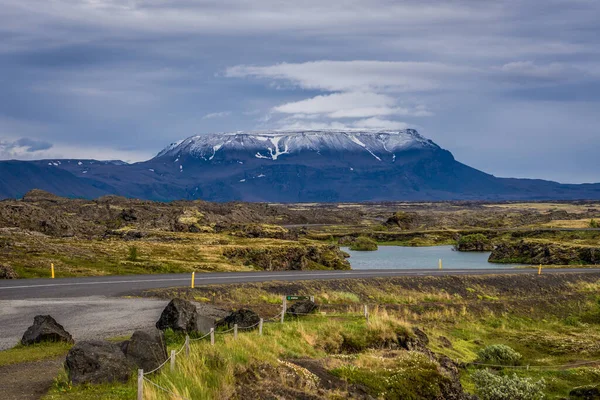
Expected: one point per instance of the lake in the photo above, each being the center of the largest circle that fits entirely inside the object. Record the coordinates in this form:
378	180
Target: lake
399	257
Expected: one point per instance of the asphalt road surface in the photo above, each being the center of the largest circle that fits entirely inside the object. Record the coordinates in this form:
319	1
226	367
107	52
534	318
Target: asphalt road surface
93	308
112	286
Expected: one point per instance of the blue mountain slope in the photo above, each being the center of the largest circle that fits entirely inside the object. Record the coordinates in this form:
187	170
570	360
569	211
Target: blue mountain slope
301	166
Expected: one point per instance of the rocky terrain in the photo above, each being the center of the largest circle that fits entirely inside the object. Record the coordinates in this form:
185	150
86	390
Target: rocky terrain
115	235
544	253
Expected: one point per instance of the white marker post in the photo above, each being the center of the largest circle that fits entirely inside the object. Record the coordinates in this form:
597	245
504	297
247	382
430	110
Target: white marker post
284	308
140	385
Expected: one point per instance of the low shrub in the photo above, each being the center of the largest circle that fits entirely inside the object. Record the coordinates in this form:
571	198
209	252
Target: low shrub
490	386
133	254
498	354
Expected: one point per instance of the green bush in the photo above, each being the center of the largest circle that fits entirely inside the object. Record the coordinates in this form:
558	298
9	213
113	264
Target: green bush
133	256
363	243
594	224
498	354
490	386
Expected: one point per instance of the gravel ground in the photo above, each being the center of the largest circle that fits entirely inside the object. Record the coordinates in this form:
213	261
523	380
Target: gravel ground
84	318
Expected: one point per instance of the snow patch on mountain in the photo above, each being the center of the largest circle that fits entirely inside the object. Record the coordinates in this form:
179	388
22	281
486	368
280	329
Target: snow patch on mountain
272	145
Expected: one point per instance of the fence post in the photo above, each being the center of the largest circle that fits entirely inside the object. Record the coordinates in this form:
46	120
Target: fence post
173	360
312	298
187	345
367	314
440	264
193	278
284	308
52	268
260	326
140	391
235	328
212	336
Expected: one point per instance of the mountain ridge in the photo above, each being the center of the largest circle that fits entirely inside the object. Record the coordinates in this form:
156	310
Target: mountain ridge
286	166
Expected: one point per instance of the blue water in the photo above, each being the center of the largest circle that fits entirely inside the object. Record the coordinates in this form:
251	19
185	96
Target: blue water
399	257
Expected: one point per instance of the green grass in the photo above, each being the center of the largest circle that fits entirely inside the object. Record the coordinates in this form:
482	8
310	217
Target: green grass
63	390
35	352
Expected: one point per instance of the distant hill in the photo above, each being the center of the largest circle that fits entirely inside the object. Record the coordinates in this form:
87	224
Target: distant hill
273	166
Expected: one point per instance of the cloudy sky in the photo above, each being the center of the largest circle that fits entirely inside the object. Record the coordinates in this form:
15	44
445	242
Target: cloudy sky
510	87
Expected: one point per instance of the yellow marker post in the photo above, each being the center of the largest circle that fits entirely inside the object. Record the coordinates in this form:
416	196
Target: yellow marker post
540	270
52	269
440	264
193	278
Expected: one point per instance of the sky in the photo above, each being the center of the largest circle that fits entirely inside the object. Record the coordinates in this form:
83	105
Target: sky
509	87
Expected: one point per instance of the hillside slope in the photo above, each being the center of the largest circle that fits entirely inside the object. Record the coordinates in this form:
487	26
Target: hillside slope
299	166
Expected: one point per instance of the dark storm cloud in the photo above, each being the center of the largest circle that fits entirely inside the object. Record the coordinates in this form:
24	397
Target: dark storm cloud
498	83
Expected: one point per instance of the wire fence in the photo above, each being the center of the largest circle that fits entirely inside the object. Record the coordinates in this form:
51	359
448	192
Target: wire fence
281	317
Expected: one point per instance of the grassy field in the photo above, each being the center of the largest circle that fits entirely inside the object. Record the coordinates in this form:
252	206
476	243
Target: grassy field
551	321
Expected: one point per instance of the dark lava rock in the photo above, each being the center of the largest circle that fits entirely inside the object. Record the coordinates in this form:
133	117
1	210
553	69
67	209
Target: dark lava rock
243	318
545	253
179	315
302	307
45	329
585	393
146	349
292	257
7	272
97	362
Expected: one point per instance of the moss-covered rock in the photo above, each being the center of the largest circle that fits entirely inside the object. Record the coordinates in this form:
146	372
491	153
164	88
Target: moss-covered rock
292	257
545	253
363	243
475	242
402	220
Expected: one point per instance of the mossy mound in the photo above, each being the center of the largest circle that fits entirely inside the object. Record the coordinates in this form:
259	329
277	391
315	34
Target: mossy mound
293	257
475	242
363	243
545	253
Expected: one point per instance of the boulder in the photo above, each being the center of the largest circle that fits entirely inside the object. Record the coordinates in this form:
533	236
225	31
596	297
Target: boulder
7	272
45	329
302	307
146	349
97	362
590	392
179	315
243	318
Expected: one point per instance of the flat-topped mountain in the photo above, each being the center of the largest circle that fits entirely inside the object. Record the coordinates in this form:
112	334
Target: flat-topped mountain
285	166
380	145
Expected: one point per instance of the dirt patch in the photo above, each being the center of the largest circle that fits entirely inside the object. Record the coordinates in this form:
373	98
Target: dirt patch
28	381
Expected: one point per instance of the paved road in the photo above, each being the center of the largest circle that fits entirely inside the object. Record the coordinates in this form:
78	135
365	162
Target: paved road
123	285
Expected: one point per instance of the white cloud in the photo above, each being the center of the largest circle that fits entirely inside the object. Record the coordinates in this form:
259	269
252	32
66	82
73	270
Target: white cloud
357	75
376	123
355	90
31	149
529	70
350	105
220	114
